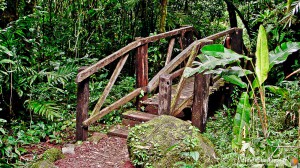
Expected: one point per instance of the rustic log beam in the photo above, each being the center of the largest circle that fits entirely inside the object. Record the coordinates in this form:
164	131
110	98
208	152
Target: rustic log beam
180	40
177	73
184	104
171	66
170	51
183	79
166	34
221	34
107	60
83	94
165	94
110	84
141	70
200	101
112	107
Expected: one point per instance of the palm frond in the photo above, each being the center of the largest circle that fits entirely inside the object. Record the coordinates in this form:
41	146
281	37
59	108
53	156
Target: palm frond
48	109
63	75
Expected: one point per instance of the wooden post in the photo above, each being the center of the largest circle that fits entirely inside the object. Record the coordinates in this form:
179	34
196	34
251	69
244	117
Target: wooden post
236	44
83	94
165	94
186	39
189	38
141	71
237	41
200	101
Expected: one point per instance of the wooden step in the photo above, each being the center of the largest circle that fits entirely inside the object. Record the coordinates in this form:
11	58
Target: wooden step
118	131
138	116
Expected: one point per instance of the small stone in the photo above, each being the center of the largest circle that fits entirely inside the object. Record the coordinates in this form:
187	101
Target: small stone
69	149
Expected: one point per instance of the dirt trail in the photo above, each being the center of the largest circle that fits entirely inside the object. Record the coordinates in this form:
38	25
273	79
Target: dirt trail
109	152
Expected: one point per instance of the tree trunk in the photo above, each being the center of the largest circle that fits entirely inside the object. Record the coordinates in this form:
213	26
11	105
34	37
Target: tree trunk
231	12
163	16
144	19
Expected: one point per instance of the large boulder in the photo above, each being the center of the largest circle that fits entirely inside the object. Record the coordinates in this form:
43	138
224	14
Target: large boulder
166	141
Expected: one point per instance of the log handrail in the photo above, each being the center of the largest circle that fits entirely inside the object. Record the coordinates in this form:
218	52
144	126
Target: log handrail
82	121
141	41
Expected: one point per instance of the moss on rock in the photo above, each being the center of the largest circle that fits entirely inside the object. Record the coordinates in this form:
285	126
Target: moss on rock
43	164
53	154
165	141
48	159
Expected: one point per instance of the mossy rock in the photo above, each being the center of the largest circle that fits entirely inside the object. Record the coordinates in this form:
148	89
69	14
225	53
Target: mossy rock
43	164
53	154
48	159
166	141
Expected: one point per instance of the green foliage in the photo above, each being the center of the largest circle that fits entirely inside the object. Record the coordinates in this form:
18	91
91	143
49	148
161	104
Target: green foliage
280	54
119	90
218	55
11	141
262	56
278	149
241	123
47	109
212	56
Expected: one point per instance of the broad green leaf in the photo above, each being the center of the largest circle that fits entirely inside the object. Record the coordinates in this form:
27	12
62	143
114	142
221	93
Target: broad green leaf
5	50
262	56
235	70
2	131
213	56
277	90
280	54
255	85
241	120
6	61
219	51
235	80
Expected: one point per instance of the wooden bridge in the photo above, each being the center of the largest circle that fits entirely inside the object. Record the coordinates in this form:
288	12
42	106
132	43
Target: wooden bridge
192	93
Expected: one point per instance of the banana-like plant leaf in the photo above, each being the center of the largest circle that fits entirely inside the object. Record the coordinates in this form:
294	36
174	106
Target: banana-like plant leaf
280	54
277	90
254	85
235	80
213	56
241	120
262	56
219	51
235	70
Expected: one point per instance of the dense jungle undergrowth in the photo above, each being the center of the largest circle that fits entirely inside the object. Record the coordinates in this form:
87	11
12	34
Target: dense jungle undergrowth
43	43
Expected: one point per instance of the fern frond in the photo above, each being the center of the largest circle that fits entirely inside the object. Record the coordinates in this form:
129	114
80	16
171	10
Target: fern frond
62	75
47	109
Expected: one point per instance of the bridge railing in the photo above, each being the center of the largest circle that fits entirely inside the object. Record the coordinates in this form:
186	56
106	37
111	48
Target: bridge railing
140	45
169	105
164	76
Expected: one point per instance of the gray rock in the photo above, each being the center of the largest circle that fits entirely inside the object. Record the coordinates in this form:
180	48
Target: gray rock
165	141
68	149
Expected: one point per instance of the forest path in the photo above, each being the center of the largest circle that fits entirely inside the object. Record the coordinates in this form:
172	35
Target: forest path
109	152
